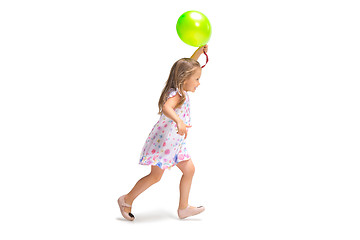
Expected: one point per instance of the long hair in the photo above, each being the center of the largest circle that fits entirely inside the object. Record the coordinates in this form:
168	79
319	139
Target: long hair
180	71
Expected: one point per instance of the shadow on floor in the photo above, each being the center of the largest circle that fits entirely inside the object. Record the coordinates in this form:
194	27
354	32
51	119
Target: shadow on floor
156	215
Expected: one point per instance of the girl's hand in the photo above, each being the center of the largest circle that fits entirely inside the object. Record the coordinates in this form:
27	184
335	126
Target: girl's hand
200	51
182	128
204	48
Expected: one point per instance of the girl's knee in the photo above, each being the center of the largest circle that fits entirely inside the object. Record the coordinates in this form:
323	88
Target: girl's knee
156	175
192	170
189	170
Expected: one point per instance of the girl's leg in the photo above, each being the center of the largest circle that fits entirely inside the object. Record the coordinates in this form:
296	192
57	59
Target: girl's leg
188	170
143	184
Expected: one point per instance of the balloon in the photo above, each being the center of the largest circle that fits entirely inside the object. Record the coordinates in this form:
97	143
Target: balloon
194	28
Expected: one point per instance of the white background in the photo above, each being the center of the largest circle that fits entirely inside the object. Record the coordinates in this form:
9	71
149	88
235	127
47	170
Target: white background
275	137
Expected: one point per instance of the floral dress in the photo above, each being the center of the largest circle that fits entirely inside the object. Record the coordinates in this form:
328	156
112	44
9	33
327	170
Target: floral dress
164	147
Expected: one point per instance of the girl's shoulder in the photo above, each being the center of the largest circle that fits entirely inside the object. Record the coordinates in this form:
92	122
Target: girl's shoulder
172	92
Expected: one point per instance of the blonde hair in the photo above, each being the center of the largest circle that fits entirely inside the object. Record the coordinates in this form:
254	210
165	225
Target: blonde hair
180	71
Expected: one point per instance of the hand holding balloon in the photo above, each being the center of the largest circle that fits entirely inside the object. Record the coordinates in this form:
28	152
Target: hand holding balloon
199	51
205	48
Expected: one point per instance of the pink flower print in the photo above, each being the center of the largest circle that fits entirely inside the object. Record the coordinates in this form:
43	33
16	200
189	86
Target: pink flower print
165	125
164	144
153	151
167	151
181	157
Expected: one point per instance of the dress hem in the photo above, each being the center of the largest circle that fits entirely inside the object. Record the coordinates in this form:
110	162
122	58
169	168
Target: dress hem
163	166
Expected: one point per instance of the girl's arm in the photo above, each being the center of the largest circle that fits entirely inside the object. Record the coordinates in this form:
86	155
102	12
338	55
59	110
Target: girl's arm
168	110
199	51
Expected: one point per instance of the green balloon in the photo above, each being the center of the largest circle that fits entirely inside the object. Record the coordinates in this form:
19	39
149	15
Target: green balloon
194	28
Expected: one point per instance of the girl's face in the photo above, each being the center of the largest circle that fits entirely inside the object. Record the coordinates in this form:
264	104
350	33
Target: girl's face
192	82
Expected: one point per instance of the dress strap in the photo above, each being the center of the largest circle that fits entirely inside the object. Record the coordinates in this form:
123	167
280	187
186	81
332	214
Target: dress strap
178	91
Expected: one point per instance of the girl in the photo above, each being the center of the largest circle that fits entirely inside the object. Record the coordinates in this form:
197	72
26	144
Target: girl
165	146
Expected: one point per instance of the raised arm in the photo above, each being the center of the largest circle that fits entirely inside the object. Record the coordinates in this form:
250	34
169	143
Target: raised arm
199	51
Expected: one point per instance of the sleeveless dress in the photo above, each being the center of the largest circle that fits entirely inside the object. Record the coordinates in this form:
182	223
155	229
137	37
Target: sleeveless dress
164	147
